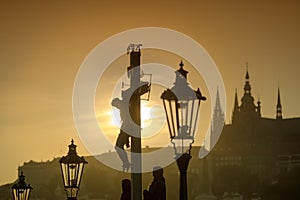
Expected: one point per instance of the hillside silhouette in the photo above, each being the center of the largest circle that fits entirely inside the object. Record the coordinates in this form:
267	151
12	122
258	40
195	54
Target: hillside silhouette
102	182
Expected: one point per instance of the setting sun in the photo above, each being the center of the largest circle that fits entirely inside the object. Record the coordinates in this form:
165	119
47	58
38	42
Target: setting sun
146	115
152	118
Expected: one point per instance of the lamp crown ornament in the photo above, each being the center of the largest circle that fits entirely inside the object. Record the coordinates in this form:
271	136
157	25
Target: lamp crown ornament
72	148
182	71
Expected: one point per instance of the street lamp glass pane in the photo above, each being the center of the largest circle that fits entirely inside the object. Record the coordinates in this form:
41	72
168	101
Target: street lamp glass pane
188	119
173	118
27	194
21	194
64	173
169	116
195	121
15	194
73	175
80	170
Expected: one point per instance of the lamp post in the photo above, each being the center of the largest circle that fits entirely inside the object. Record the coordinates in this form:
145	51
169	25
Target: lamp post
72	168
21	189
182	105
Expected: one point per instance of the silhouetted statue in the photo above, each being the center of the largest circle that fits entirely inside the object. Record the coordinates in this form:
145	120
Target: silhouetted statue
126	189
123	138
157	189
125	105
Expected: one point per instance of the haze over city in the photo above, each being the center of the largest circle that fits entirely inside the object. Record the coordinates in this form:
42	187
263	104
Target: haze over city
44	44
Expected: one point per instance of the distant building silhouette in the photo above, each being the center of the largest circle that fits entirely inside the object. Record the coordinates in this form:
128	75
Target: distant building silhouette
217	122
250	131
253	147
204	190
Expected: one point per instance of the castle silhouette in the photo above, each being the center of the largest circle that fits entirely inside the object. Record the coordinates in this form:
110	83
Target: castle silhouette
249	132
253	153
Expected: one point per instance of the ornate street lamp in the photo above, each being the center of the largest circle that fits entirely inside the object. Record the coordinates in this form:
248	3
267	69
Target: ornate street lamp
182	105
21	189
72	169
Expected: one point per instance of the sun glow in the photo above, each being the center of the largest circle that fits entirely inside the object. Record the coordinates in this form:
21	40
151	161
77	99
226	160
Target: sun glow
146	115
152	119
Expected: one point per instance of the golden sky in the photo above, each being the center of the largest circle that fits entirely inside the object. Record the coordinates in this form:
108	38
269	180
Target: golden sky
43	44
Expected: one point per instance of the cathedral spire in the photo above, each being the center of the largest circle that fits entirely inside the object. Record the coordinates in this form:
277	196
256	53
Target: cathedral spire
248	107
217	121
247	87
278	107
218	113
236	103
218	104
235	107
247	74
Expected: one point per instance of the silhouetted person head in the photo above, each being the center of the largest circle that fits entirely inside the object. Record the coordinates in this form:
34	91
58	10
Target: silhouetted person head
157	189
158	172
126	185
126	189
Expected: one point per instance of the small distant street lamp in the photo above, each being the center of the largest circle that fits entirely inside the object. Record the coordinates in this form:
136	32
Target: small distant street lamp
182	105
21	189
72	169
